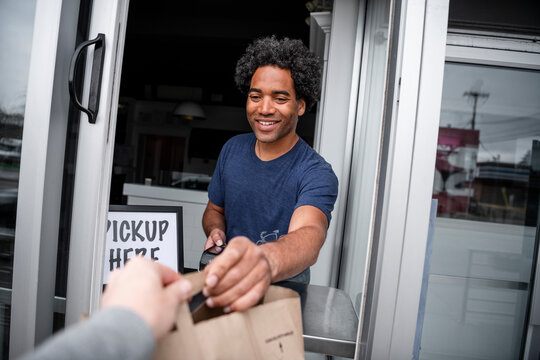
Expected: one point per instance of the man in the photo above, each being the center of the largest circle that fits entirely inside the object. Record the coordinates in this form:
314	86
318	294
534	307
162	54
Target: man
138	307
269	187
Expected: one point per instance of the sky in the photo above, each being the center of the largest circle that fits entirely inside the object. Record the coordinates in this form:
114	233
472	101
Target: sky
508	115
16	27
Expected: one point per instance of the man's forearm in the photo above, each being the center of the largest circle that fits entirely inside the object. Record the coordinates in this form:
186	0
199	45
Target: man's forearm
213	218
239	277
299	249
294	252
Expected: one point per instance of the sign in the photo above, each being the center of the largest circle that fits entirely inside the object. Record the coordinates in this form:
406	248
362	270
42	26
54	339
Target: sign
154	232
457	150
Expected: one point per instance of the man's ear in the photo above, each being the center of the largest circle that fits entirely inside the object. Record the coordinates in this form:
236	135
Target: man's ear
301	107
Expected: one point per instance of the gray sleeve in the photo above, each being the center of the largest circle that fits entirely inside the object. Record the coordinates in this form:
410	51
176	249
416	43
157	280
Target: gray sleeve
112	333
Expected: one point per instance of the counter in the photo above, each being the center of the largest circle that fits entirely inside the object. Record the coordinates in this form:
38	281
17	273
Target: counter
329	321
193	203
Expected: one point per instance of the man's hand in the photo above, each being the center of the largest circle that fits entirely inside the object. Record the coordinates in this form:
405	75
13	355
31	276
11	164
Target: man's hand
151	290
216	237
213	222
238	278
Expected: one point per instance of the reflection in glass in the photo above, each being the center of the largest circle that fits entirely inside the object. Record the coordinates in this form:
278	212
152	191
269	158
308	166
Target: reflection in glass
16	26
488	126
487	187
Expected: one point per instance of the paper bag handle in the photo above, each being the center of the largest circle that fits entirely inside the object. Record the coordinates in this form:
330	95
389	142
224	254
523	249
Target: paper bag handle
197	281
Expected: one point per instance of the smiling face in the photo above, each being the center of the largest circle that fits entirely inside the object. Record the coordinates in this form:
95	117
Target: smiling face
272	108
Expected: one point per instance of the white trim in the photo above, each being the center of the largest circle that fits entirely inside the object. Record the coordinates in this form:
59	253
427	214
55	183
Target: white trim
335	143
421	183
93	175
366	148
491	42
319	43
40	184
406	204
398	179
111	100
484	56
492	34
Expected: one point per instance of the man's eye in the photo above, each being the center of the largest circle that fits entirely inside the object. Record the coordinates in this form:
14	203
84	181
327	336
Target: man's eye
254	97
281	100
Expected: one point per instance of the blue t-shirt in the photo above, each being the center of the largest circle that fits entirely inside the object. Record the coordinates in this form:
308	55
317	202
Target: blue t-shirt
260	197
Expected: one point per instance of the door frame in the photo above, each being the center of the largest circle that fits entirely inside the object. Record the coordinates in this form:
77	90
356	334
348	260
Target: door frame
494	49
94	166
505	50
397	273
392	286
40	175
334	129
42	167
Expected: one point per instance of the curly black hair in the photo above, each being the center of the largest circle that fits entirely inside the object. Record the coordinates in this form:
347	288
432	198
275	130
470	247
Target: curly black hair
288	54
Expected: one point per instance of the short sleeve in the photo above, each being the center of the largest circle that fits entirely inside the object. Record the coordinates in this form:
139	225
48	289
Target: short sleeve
215	188
319	188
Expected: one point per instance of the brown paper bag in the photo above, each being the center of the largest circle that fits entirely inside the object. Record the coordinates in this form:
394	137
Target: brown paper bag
270	330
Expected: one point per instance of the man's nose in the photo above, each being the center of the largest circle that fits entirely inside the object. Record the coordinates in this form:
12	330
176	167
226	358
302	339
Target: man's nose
267	106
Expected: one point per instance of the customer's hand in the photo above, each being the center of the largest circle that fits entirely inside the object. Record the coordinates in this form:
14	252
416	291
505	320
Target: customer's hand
151	290
239	277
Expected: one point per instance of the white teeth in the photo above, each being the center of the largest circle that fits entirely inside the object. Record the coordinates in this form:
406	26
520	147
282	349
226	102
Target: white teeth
266	123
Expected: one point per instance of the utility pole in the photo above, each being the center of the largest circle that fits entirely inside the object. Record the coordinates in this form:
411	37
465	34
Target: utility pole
475	95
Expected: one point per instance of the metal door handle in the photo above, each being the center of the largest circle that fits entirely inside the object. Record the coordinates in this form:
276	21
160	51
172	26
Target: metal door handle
95	80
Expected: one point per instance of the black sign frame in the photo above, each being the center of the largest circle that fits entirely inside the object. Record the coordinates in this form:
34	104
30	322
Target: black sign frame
177	210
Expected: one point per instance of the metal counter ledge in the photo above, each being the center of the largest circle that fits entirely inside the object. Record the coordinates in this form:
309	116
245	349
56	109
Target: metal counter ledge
329	320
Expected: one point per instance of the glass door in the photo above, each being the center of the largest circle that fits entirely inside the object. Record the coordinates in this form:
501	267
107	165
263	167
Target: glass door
32	170
484	246
92	177
16	17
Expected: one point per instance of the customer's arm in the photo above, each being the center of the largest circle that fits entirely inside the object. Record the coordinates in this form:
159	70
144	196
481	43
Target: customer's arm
112	333
138	307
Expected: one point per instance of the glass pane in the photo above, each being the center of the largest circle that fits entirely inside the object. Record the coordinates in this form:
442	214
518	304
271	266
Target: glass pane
16	27
487	186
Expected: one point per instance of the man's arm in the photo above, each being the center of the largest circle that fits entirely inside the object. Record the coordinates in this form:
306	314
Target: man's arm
239	277
299	249
214	226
